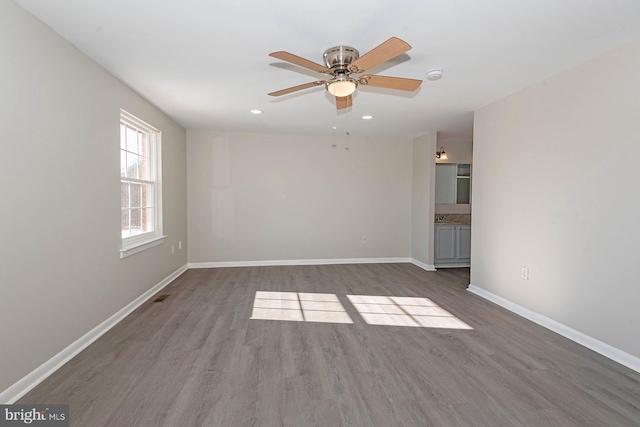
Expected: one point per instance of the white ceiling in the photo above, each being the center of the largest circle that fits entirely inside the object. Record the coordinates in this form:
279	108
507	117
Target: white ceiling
205	62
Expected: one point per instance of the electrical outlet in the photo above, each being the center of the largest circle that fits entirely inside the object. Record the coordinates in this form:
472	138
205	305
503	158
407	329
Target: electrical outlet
525	273
180	245
173	249
364	240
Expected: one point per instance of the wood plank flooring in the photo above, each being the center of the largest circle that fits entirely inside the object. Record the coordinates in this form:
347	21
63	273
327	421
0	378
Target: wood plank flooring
198	359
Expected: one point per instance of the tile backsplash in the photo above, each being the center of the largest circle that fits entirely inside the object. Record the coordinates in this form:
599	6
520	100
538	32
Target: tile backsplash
453	218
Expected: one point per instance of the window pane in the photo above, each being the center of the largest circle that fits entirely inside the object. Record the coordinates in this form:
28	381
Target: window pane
147	196
146	171
123	137
124	221
132	140
132	165
124	194
123	163
135	191
141	136
136	221
144	145
147	219
142	168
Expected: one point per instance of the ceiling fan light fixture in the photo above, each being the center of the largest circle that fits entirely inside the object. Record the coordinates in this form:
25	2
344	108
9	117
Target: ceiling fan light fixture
341	86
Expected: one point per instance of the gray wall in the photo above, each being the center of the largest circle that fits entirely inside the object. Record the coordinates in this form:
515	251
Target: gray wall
555	189
423	197
257	197
60	273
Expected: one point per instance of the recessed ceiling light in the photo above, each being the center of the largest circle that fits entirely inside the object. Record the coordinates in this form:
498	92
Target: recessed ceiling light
334	128
367	117
256	111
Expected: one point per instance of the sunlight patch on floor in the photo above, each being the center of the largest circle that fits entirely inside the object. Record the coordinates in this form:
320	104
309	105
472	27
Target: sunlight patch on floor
404	311
299	307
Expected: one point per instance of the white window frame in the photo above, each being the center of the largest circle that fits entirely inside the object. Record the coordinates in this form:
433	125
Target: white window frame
140	242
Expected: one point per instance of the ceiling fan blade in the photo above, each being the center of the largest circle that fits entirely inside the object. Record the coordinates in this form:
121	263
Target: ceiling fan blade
382	53
344	102
297	88
390	82
294	59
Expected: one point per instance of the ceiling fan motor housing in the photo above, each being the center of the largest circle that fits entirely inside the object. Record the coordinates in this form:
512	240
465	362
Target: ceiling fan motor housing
340	57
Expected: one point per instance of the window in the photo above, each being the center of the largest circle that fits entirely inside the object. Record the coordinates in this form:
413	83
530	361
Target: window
140	190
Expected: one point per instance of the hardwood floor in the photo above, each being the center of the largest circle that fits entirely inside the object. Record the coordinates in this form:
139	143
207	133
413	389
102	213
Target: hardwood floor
198	359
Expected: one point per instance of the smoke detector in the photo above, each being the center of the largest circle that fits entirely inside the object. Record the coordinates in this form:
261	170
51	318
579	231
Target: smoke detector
435	74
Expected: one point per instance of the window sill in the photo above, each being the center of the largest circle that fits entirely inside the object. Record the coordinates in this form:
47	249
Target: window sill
141	246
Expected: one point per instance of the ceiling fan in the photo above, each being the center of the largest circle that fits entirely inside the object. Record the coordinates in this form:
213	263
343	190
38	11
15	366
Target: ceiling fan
343	61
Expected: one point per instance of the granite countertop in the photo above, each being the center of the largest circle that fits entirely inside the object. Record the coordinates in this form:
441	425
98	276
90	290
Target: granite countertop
453	219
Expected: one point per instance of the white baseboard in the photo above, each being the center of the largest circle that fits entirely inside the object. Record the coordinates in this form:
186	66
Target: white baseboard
591	343
298	262
422	265
23	386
